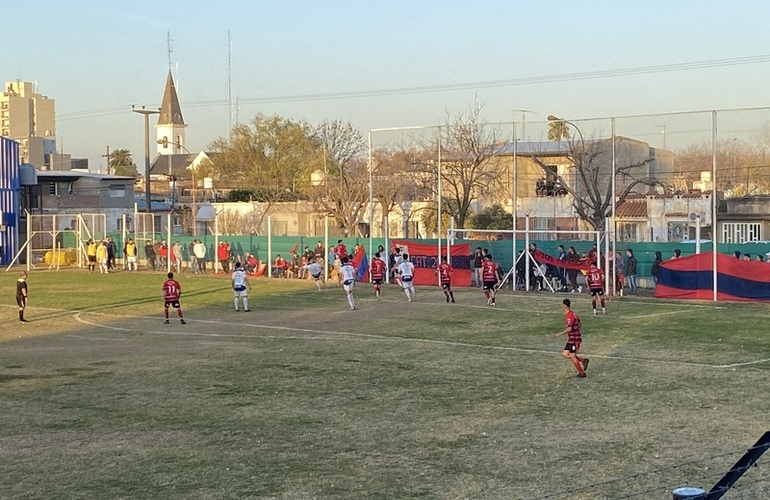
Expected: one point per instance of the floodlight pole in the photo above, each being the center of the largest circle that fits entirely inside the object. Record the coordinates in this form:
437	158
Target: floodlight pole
146	113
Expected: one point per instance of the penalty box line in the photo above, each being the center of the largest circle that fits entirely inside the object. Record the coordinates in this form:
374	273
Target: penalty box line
333	335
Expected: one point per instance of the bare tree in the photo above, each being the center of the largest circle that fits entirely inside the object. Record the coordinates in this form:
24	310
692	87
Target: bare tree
469	170
345	189
589	177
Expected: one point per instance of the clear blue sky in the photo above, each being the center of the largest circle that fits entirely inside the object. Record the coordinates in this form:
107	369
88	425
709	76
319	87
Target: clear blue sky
97	55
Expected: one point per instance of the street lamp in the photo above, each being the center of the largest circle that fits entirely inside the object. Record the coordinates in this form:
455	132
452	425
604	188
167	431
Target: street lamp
165	143
146	113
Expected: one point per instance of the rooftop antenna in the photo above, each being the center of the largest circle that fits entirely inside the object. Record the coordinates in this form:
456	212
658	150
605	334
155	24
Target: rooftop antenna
169	49
229	81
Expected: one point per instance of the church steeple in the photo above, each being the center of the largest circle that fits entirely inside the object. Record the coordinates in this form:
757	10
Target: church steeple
171	125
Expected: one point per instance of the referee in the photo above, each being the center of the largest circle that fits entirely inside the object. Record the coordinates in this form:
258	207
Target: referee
21	295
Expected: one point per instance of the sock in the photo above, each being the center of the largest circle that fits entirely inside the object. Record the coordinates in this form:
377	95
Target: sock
179	313
21	315
577	365
451	295
593	304
486	294
493	298
351	301
246	303
406	291
377	290
318	284
165	313
235	303
603	306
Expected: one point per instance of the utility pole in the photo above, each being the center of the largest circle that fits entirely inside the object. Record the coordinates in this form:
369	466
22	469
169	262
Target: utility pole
108	160
146	113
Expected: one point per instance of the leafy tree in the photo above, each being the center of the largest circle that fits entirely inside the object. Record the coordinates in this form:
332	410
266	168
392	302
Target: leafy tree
121	163
494	217
271	157
558	130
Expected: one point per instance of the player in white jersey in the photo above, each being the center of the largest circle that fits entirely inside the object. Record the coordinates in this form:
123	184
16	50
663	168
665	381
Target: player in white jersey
240	282
348	277
406	272
316	270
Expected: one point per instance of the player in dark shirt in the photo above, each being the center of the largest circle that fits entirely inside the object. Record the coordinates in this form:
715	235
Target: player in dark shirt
172	290
21	295
574	339
444	270
378	273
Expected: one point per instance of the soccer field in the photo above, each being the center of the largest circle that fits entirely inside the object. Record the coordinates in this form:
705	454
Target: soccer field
302	398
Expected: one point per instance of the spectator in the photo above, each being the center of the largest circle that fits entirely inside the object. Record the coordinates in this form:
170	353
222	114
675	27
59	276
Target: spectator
200	256
477	259
309	255
251	264
149	254
655	269
163	253
746	256
677	254
562	271
319	252
280	266
111	251
177	253
223	256
620	266
193	260
294	266
573	258
631	270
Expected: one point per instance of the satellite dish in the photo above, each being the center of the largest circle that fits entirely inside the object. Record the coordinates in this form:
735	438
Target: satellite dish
693	216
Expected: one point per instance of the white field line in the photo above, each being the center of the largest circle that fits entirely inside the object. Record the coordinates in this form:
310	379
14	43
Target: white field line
334	335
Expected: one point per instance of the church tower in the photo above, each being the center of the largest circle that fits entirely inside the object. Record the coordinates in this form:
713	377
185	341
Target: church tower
171	125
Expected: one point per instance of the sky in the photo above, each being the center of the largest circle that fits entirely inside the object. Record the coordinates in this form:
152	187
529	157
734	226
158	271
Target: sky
382	64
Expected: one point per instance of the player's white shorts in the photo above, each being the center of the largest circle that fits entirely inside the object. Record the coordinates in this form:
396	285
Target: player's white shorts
406	282
241	291
131	260
347	285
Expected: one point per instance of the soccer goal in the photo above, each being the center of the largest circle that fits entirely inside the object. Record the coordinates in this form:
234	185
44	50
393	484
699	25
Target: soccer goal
530	256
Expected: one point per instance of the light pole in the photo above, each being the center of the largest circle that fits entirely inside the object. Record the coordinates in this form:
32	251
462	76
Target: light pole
146	113
178	144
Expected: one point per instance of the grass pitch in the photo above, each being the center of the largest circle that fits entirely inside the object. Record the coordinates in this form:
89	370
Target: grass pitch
302	398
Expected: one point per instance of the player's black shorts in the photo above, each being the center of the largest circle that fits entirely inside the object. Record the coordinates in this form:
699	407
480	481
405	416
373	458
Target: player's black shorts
172	303
376	281
446	286
21	301
597	291
489	285
92	258
573	347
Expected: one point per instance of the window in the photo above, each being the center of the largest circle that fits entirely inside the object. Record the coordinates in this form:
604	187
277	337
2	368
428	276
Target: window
117	190
741	232
628	231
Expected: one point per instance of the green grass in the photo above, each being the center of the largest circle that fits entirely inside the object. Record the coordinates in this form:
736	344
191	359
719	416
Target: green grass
304	399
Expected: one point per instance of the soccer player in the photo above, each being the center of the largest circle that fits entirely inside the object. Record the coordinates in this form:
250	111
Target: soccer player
21	295
340	250
172	290
595	279
489	278
348	277
240	282
130	252
444	270
101	257
377	269
316	271
406	272
91	253
574	338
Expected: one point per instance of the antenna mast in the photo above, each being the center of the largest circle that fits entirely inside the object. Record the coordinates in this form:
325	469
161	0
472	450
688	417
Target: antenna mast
169	48
230	79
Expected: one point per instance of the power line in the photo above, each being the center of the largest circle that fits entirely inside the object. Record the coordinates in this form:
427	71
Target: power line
565	77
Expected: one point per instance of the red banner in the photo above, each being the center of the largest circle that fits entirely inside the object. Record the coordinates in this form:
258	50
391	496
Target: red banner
425	262
580	265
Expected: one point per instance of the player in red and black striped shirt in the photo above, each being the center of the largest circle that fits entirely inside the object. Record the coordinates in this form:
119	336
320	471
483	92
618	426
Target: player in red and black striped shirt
489	278
172	290
378	273
595	279
574	339
444	271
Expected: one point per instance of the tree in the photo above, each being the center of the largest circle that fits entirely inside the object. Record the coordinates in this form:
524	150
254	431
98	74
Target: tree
558	130
121	163
591	169
494	217
469	170
390	186
344	192
271	157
